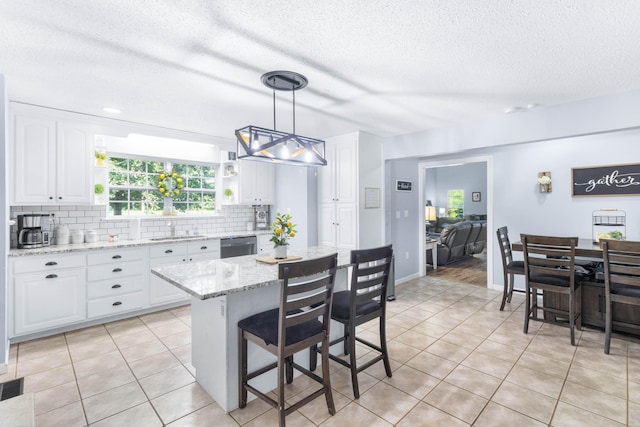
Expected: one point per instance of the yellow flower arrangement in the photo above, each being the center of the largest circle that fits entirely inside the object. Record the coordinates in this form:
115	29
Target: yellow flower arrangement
170	184
283	229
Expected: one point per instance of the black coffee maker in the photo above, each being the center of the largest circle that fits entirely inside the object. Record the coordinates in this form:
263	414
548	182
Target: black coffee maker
30	232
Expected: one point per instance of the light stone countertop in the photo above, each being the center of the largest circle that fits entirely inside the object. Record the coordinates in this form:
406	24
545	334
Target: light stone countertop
214	278
60	249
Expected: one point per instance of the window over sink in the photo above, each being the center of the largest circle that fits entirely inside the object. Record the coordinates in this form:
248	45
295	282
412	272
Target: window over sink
133	188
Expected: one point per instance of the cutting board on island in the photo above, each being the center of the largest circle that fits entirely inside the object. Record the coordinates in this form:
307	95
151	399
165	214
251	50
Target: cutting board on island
271	260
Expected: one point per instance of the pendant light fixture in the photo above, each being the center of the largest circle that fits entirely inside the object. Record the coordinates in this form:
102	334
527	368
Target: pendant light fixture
270	145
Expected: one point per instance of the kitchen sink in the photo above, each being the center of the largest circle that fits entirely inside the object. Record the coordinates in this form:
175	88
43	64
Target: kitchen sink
159	239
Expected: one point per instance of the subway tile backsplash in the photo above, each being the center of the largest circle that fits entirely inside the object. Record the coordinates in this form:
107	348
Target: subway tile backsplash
229	218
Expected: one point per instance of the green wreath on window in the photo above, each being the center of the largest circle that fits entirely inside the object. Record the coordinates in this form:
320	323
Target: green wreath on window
170	184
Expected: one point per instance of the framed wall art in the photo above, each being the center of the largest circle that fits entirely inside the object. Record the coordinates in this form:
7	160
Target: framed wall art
612	180
404	185
371	198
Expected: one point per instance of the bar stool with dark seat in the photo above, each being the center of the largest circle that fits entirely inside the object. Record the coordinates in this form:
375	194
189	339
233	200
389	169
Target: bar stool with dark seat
509	267
365	301
621	281
302	321
549	266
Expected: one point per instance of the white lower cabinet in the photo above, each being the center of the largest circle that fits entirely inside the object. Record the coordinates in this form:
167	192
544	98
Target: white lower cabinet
47	292
265	245
202	251
161	292
337	225
51	292
117	281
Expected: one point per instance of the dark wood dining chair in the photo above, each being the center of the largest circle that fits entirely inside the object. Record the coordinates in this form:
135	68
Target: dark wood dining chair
549	266
365	301
509	267
621	282
301	321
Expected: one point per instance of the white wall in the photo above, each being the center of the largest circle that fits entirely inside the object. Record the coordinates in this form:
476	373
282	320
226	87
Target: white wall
519	205
602	114
516	200
296	193
404	217
370	175
4	225
470	177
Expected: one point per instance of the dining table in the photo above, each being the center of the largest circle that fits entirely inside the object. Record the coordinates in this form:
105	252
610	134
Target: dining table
586	248
592	300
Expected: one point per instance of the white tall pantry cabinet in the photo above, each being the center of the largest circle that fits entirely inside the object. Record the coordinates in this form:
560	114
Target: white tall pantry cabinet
354	163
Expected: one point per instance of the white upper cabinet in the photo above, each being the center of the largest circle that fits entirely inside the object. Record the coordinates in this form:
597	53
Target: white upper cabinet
338	180
34	161
51	162
74	161
256	183
354	163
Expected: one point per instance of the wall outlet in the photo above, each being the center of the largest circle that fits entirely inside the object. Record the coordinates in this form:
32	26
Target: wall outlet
406	214
406	255
397	214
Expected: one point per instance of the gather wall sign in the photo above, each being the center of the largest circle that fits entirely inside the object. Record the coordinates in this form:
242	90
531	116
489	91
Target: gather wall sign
612	180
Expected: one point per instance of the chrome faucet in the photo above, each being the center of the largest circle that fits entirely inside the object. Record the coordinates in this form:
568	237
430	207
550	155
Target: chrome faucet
172	228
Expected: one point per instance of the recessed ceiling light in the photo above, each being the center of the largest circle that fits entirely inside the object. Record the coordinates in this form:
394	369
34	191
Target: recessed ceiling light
111	110
510	110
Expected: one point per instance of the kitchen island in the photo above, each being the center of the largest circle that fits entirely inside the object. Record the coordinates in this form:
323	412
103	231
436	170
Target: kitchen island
223	292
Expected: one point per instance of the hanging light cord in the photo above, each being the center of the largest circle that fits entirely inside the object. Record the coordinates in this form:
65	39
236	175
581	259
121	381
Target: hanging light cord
274	109
294	108
293	89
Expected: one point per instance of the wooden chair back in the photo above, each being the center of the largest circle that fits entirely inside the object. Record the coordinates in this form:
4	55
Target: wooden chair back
505	247
369	279
621	284
306	295
549	260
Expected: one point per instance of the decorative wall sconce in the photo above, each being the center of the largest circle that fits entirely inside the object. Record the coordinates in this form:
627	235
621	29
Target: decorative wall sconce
544	181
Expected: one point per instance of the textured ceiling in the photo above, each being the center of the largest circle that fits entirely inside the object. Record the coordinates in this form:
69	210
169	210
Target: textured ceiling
386	67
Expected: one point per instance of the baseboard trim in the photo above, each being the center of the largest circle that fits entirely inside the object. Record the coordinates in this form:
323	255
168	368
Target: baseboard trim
407	278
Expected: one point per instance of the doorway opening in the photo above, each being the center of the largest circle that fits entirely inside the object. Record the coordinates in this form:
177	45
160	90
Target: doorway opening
473	175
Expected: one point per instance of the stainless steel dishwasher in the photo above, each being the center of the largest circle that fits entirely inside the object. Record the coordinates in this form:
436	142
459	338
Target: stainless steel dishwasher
238	246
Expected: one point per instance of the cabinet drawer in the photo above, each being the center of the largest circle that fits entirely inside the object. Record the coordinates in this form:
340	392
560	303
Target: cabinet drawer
115	256
46	263
114	271
114	287
168	250
117	304
205	247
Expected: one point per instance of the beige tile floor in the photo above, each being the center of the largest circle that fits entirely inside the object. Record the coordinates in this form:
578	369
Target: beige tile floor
456	359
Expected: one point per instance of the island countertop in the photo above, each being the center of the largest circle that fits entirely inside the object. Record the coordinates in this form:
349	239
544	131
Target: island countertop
214	278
